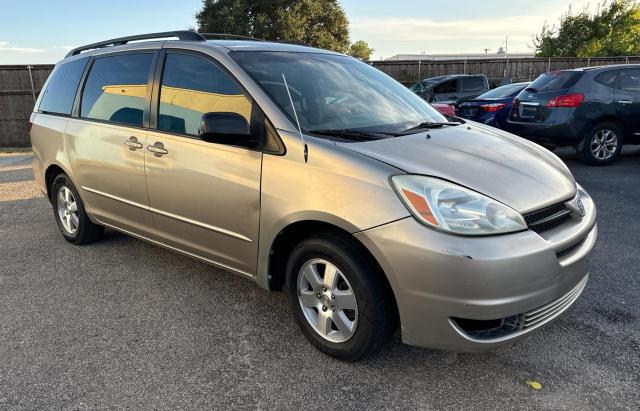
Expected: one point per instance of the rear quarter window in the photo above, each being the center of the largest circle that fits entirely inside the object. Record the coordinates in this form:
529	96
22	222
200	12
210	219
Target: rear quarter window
608	78
556	80
61	90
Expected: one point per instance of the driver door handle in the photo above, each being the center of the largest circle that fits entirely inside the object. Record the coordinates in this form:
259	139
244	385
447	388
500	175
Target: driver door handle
157	149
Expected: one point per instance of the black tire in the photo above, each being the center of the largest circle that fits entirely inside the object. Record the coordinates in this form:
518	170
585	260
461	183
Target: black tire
590	142
86	231
377	311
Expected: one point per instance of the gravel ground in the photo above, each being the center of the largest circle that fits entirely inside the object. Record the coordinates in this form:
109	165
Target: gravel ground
122	323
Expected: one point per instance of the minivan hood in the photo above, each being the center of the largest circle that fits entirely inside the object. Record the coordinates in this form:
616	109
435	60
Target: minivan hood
500	165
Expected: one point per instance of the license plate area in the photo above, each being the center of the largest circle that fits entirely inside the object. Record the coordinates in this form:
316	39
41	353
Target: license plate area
528	110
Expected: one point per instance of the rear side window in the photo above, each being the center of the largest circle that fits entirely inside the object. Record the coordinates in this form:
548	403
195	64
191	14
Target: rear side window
116	88
192	86
472	83
61	91
555	80
608	78
630	80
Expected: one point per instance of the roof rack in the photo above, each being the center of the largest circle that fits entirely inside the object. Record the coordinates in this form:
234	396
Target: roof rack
224	36
294	42
180	34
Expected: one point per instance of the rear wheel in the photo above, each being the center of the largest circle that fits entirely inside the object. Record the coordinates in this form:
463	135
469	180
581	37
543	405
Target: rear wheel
602	144
338	297
68	209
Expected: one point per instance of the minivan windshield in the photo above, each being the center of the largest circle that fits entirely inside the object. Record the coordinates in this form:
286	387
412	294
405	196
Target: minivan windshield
340	93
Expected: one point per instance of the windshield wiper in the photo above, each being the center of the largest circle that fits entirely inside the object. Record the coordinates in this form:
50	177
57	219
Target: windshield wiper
350	134
431	124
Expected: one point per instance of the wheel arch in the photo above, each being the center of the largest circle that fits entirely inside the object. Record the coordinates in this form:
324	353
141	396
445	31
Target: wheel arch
290	236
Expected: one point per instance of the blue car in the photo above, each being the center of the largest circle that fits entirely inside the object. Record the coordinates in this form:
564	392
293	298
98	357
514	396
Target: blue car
492	108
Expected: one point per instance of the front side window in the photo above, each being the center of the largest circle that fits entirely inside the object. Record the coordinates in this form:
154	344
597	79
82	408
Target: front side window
61	91
116	88
450	86
336	92
192	86
630	80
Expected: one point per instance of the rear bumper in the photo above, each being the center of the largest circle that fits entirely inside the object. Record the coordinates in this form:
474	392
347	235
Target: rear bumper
439	279
568	133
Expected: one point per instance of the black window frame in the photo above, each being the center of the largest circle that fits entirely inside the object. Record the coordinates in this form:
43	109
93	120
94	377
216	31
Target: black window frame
78	87
258	121
145	116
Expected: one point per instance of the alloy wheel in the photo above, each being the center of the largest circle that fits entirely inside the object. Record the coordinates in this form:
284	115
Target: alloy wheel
604	144
68	210
327	300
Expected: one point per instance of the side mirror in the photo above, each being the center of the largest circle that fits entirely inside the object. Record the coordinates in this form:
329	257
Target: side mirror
225	128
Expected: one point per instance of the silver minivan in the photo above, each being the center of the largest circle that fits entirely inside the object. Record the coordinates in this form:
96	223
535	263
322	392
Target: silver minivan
311	172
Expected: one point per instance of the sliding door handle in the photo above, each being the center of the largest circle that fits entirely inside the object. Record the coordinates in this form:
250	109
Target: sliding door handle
157	149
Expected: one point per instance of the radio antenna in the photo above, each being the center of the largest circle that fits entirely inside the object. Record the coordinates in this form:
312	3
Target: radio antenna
295	114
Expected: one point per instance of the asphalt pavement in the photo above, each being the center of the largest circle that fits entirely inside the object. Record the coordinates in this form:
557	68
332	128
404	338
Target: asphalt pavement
123	323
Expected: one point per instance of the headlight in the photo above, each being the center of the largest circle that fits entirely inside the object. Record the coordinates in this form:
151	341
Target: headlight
456	209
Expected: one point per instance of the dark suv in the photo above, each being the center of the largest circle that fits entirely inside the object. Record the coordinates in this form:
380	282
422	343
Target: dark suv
451	89
595	109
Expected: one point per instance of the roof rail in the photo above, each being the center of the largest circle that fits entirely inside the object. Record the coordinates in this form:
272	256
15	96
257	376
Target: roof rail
294	42
180	34
224	36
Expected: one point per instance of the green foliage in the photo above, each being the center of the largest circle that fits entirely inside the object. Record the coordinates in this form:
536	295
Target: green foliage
319	23
360	49
614	30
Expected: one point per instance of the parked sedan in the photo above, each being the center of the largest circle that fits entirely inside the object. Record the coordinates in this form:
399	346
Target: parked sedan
594	109
492	108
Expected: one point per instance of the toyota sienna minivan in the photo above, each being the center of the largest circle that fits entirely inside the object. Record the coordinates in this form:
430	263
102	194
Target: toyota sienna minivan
311	172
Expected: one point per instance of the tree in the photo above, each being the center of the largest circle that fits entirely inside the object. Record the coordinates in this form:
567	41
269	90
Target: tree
614	30
360	49
319	23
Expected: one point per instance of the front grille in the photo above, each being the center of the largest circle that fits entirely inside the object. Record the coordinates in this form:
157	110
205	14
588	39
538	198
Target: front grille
548	218
553	308
570	249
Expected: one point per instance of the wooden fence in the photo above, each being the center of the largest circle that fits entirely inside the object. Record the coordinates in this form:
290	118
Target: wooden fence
521	69
20	85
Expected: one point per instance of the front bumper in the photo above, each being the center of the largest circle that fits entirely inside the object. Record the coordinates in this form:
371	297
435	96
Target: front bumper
438	278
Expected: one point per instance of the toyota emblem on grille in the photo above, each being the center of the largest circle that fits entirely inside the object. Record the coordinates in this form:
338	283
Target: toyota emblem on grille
577	207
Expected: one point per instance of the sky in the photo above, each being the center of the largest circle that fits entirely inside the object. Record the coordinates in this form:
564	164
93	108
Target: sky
42	31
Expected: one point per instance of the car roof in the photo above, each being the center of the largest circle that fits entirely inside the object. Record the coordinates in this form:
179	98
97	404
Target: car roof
604	67
258	45
451	76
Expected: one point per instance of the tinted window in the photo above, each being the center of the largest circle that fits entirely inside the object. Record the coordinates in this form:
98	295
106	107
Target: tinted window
61	90
116	87
192	86
555	80
608	78
630	80
503	91
450	86
472	83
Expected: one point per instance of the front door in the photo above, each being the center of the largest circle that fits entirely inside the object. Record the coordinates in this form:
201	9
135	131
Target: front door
105	144
627	100
204	197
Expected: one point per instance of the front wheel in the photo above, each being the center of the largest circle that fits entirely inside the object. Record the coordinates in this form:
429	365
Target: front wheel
602	144
339	297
